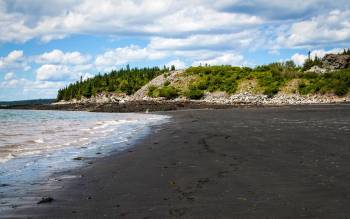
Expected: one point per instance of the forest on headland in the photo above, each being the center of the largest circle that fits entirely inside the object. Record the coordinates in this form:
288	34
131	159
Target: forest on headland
270	79
126	80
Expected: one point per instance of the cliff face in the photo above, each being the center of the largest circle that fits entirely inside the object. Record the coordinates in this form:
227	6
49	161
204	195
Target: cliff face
336	61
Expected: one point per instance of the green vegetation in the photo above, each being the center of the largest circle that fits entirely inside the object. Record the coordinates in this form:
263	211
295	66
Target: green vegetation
194	93
227	78
169	92
218	78
166	83
270	79
273	76
335	82
309	63
151	89
346	52
126	81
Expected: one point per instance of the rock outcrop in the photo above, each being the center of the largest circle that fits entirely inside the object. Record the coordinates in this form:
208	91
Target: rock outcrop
317	69
158	81
336	61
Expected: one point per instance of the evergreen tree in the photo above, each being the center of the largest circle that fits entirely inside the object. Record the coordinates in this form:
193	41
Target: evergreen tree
309	62
124	81
88	91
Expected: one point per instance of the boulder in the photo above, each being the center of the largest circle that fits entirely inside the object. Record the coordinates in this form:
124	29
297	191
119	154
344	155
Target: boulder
336	61
317	69
45	200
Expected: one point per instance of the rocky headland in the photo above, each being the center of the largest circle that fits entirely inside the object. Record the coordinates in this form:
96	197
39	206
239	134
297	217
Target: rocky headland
248	91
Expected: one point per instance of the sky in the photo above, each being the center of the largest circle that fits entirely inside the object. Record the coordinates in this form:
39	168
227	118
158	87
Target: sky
45	45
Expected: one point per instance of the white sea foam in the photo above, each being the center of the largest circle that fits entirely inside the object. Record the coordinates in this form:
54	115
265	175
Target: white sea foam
6	158
35	145
32	133
39	141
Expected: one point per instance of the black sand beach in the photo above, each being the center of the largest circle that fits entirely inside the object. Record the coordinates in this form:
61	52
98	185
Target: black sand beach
282	162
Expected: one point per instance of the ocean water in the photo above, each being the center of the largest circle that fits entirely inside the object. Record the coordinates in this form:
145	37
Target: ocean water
37	144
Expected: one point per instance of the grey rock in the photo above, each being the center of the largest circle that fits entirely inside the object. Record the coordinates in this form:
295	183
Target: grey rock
317	69
336	61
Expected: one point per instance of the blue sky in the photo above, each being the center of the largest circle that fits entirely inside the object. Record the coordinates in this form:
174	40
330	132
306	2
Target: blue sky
45	45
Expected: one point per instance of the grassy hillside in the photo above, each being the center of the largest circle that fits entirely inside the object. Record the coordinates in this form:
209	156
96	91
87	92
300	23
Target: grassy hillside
270	79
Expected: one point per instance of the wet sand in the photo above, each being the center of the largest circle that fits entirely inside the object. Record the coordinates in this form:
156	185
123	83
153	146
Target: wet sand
283	162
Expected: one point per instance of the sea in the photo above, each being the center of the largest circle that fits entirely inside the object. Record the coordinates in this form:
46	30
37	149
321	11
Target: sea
36	145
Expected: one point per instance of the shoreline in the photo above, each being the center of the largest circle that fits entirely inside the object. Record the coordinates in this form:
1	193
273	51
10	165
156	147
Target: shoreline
23	174
161	105
219	164
132	106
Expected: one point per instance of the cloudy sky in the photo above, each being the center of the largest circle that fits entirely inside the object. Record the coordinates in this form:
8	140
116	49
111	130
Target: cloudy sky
44	45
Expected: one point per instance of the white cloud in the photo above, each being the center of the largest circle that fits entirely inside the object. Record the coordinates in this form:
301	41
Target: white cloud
331	28
58	57
12	83
50	72
9	76
14	55
199	19
29	84
27	89
177	63
44	85
26	19
123	55
57	73
224	59
200	54
15	60
60	66
307	23
206	41
285	10
299	59
320	53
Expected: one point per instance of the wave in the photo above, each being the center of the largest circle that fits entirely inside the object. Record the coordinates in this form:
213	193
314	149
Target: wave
33	133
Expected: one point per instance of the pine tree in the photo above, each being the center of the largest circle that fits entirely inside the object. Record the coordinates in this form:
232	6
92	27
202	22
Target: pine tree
124	80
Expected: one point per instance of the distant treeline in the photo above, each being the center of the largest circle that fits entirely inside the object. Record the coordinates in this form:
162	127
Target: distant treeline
127	81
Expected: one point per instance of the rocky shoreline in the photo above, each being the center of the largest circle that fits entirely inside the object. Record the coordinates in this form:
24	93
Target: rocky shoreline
115	103
279	99
131	106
